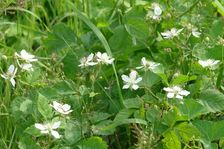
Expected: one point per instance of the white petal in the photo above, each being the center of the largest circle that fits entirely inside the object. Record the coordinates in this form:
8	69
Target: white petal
126	86
44	131
170	95
55	134
138	80
135	86
66	107
168	89
56	125
133	74
125	78
13	82
184	93
11	69
40	126
90	57
179	96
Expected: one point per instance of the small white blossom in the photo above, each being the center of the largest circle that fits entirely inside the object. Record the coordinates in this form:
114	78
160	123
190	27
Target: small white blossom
61	108
87	61
104	58
49	128
176	92
132	80
210	63
27	59
195	32
10	74
24	55
147	65
171	33
156	13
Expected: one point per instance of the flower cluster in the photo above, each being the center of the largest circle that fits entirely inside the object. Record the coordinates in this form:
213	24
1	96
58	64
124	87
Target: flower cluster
26	59
49	128
155	12
98	58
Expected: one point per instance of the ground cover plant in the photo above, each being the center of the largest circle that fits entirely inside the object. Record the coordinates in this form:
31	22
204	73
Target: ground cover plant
117	74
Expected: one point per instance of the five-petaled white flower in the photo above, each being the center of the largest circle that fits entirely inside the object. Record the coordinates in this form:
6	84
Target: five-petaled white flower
49	128
132	80
61	108
87	61
195	32
156	13
104	58
173	32
210	63
147	65
24	55
176	92
10	74
27	59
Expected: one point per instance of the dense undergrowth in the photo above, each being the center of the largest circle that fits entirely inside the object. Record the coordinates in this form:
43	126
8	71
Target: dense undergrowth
118	74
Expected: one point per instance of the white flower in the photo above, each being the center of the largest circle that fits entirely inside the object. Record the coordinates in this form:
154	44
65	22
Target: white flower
171	33
176	92
131	81
87	61
10	74
195	32
211	63
61	108
104	58
49	128
156	13
147	65
26	56
27	67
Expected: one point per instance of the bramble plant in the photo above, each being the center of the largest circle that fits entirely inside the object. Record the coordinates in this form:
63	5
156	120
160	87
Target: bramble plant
117	74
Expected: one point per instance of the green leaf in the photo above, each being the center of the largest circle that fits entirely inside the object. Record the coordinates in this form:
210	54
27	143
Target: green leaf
191	108
27	142
26	106
98	116
93	143
124	114
61	37
171	141
70	62
135	23
150	79
186	131
44	107
219	6
180	79
73	133
213	100
209	130
133	103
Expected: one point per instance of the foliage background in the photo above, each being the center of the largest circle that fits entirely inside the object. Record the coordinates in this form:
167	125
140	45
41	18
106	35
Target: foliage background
60	32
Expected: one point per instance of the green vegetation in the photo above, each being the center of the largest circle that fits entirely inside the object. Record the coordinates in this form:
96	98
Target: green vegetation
117	74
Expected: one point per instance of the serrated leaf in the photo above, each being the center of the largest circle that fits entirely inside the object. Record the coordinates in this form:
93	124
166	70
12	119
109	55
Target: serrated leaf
191	108
213	100
26	106
44	107
133	103
171	141
93	143
73	133
180	79
60	37
209	130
